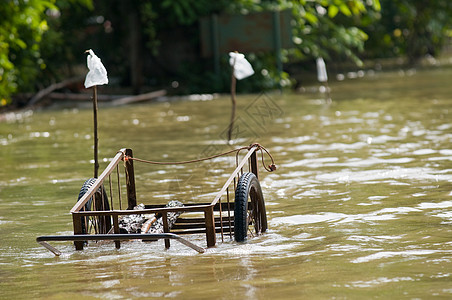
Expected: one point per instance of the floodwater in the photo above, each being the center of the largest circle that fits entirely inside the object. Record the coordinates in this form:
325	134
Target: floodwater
359	207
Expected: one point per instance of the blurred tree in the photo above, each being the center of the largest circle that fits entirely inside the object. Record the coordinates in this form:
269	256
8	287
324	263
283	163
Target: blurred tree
22	24
321	28
42	40
413	28
31	43
71	24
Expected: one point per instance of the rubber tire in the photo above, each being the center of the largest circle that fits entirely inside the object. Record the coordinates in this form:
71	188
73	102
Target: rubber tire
248	187
103	223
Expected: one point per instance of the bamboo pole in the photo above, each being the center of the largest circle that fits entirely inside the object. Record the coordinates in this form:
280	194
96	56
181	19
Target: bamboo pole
234	102
96	139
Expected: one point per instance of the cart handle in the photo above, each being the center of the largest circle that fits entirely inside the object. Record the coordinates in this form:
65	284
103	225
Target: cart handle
42	240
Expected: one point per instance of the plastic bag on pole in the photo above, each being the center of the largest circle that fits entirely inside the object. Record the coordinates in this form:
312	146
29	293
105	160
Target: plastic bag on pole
242	68
321	70
97	74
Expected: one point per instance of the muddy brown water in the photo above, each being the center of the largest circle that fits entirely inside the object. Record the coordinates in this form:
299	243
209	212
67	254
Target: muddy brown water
360	206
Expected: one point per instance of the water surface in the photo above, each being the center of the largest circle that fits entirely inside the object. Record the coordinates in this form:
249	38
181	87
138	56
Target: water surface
360	206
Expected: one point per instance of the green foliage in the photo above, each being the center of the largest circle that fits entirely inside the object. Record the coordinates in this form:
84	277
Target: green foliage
327	28
410	27
61	46
42	40
322	28
21	28
185	12
28	42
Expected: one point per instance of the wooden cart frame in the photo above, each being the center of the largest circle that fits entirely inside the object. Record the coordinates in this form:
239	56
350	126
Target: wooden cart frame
216	217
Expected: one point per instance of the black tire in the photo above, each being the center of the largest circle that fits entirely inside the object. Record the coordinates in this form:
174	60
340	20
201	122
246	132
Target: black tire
249	208
98	225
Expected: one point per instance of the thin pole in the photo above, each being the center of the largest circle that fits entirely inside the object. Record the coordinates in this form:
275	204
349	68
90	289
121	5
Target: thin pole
233	88
96	139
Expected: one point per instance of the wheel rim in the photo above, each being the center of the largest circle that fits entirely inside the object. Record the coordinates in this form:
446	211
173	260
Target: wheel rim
254	226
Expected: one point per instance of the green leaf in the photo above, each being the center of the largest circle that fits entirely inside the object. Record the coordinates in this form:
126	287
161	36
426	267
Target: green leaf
345	10
311	18
377	5
332	11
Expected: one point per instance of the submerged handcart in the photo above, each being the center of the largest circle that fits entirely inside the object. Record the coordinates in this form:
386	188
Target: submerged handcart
237	210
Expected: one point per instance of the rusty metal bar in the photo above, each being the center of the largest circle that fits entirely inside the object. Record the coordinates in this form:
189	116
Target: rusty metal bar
221	221
166	228
210	227
229	211
50	248
253	164
235	184
192	208
111	192
122	237
119	187
130	180
116	231
77	223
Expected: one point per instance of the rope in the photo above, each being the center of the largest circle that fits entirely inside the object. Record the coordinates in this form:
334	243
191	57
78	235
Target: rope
270	168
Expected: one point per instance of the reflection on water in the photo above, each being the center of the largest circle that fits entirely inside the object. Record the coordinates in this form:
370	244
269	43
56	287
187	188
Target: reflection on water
360	205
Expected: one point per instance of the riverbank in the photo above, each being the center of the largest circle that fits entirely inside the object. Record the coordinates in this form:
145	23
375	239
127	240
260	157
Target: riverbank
304	80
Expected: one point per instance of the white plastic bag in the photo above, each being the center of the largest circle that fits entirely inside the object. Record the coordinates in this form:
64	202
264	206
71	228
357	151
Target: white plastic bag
321	70
97	74
242	68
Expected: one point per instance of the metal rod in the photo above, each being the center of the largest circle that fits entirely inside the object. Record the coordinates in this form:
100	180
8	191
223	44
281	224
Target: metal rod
166	228
229	211
112	237
210	227
221	220
254	165
130	180
111	192
116	230
119	187
50	248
